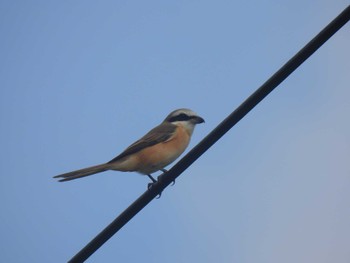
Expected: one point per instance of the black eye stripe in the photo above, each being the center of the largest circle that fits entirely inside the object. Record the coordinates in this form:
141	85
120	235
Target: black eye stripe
181	117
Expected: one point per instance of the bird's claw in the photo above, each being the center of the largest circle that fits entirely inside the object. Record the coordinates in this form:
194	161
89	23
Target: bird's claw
150	185
165	171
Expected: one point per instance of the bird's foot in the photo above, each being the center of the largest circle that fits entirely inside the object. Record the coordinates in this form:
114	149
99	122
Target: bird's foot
153	181
149	186
165	171
151	177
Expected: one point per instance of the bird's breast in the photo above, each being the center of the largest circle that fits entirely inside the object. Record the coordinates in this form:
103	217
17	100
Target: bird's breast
154	158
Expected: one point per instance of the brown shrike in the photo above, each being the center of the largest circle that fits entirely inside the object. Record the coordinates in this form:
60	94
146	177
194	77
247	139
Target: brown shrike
154	151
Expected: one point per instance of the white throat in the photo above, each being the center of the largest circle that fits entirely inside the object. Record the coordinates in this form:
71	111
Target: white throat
189	126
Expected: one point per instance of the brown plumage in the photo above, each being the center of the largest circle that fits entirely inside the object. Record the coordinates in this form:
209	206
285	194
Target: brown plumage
158	148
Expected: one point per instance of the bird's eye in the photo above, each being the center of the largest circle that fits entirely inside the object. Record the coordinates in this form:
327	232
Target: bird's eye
180	117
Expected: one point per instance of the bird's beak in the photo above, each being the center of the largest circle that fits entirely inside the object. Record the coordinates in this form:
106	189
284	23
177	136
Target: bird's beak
198	120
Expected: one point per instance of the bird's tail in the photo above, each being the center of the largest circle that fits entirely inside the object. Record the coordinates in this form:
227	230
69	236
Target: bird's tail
83	172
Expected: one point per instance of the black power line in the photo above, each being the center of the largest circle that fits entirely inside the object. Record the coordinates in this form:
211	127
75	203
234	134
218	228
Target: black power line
165	179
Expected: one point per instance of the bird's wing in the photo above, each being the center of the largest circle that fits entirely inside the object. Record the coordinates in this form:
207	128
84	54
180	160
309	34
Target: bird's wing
161	133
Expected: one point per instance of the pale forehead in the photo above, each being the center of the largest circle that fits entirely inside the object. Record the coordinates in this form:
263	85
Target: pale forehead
186	111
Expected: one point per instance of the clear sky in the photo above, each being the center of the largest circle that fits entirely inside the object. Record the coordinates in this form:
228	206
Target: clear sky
81	80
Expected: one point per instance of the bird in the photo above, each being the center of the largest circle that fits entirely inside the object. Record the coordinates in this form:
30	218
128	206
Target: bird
157	149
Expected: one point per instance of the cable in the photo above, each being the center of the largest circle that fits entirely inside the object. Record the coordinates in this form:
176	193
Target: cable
165	179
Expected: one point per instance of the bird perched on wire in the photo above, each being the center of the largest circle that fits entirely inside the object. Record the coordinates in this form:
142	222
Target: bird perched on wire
154	151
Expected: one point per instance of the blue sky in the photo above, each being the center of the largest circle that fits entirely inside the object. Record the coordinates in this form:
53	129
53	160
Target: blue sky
81	80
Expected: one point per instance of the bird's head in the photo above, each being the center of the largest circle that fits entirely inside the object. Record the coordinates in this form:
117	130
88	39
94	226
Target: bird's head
185	117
